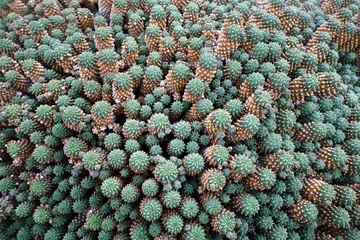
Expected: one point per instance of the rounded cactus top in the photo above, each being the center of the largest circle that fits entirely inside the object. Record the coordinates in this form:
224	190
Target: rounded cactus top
120	3
180	31
110	187
235	33
295	56
195	87
139	161
271	21
91	87
117	158
172	199
262	98
260	51
136	72
204	106
103	33
285	160
282	65
150	187
243	164
310	82
92	160
73	146
87	60
130	45
42	154
44	112
234	68
155	57
208	61
338	156
254	34
166	172
267	177
168	42
220	154
250	123
28	126
135	18
154	74
158	12
29	65
189	208
192	7
235	16
334	79
196	43
153	31
255	80
36	27
160	122
108	56
221	118
309	211
249	205
183	129
102	109
279	81
180	71
151	209
72	115
132	106
132	126
195	232
226	222
62	51
112	140
194	163
174	224
122	81
310	59
235	107
12	76
129	193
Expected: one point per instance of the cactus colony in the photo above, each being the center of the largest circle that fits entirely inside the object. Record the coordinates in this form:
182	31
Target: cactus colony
179	119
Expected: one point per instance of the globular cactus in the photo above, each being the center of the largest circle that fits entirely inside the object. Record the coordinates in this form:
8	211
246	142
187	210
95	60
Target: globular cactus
179	119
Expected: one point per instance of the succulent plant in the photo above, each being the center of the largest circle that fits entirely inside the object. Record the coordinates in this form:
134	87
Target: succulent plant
179	120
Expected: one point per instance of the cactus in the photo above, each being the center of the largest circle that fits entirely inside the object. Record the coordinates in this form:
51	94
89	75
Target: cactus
174	119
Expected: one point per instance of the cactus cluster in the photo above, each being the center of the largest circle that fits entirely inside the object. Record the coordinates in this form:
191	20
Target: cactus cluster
179	119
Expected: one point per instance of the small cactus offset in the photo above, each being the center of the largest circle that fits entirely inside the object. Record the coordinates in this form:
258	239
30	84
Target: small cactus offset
176	119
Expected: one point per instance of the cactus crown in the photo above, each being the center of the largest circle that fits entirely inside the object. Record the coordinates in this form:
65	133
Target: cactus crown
279	81
221	118
44	112
166	172
235	107
91	160
72	115
110	187
158	12
262	98
108	56
122	81
153	31
310	82
250	123
195	87
181	71
154	74
208	61
235	33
